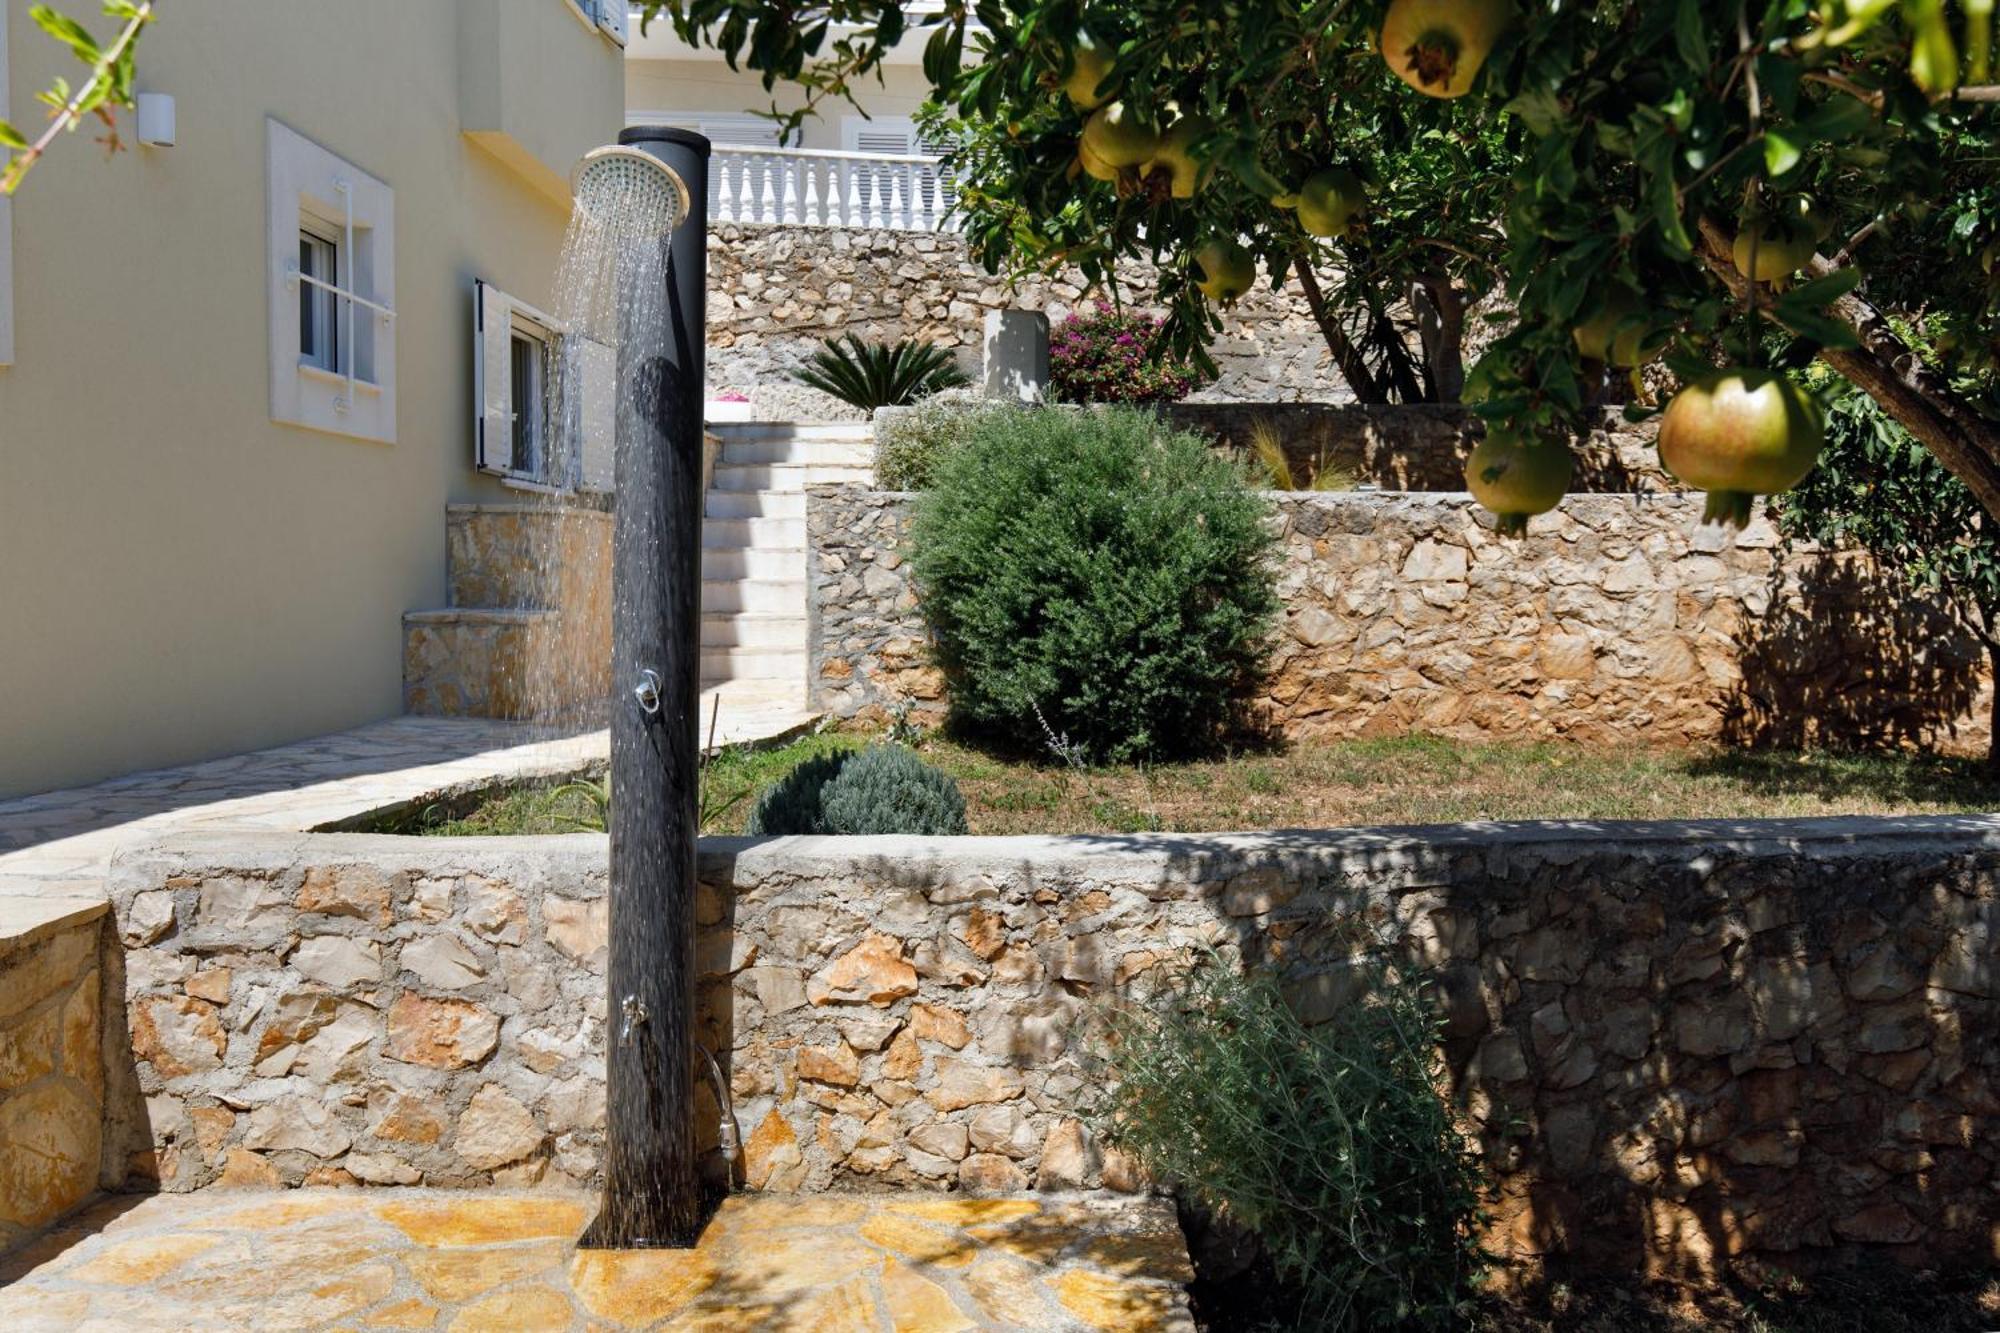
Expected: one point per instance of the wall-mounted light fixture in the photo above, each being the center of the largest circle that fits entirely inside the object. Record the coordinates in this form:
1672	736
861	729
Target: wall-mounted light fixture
156	120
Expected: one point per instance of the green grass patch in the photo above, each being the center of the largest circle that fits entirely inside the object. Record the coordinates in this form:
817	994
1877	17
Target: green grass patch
1324	784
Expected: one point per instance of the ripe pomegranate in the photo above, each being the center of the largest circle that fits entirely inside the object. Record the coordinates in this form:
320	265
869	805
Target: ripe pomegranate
1517	478
1093	168
1328	201
1738	434
1227	270
1116	136
1613	334
1785	241
1438	46
1089	65
1175	156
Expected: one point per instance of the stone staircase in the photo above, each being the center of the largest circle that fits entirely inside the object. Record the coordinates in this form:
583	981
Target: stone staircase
753	560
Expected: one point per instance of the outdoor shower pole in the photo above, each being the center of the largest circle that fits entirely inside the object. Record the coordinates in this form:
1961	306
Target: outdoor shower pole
652	1187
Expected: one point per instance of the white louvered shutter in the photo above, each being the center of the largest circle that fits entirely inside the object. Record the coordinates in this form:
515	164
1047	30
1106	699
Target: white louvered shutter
492	379
615	17
595	373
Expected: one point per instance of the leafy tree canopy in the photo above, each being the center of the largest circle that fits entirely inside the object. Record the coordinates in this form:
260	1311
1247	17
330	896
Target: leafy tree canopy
1603	166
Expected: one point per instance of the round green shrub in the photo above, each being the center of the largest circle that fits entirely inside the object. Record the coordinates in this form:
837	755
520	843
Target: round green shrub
791	805
1094	579
887	789
884	789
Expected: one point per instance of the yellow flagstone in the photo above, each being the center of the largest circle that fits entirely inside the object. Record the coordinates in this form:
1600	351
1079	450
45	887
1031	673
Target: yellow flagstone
455	1275
846	1308
919	1305
639	1287
922	1241
1008	1293
1109	1302
516	1311
142	1259
477	1220
966	1212
412	1313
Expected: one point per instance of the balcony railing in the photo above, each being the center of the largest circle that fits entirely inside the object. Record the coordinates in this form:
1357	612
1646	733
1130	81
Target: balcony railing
812	187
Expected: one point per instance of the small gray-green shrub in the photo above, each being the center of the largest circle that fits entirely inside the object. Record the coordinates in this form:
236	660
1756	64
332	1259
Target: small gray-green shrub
1099	572
914	441
884	789
1331	1143
887	789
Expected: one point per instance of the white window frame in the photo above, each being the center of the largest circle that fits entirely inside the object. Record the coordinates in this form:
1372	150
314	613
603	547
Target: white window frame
6	220
325	318
312	189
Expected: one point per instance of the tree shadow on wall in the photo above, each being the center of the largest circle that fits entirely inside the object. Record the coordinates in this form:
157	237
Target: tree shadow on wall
1847	659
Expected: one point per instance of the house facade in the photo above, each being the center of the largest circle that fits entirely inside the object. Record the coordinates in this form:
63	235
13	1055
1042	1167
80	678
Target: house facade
243	373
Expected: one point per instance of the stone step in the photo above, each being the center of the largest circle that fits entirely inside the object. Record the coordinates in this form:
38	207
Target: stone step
755	504
751	629
784	449
732	534
785	477
524	555
495	662
730	432
753	562
733	664
759	596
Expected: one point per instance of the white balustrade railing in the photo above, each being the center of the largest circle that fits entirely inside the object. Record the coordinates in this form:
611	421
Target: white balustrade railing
814	187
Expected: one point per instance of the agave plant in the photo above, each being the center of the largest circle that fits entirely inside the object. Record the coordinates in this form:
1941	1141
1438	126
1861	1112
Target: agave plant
871	375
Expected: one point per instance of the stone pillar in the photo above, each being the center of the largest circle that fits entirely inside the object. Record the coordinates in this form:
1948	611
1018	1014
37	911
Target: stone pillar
1017	355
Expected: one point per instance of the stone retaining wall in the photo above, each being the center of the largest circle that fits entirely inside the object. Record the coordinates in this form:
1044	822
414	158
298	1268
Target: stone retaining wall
1420	447
1616	620
775	292
52	1065
1677	1044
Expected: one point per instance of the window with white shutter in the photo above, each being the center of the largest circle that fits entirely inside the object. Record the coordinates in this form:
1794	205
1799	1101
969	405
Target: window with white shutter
545	400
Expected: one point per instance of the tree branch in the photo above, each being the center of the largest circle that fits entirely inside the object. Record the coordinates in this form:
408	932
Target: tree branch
1889	371
1352	367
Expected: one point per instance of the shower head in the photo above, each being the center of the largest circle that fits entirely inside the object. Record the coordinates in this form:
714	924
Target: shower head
617	179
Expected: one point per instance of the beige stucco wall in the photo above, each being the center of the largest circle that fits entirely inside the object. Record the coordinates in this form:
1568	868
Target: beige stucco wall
180	576
676	88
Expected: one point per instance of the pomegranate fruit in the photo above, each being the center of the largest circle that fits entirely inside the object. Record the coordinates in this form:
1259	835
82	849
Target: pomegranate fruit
1092	167
1517	478
1738	434
1328	201
1438	46
1227	270
1614	334
1116	136
1176	157
1089	65
1785	242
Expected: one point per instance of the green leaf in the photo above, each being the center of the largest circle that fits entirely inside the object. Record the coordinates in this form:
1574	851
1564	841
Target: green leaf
1691	35
11	137
1826	290
1781	153
67	31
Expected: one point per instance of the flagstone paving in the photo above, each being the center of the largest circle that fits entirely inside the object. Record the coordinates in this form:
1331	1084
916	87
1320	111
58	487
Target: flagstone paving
463	1262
